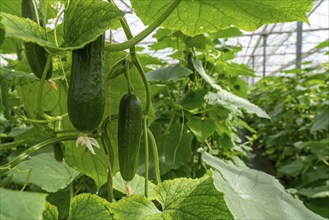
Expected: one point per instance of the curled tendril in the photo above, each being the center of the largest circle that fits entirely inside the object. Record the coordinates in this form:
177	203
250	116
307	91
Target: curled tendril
89	142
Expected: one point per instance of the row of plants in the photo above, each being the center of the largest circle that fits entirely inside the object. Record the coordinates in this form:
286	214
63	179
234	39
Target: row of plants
81	115
295	141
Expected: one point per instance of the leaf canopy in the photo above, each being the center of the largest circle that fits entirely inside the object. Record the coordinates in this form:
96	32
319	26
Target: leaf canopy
202	16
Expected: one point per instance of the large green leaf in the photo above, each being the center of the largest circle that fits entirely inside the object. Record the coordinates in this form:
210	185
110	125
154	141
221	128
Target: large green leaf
47	173
180	199
201	128
233	103
201	16
24	29
252	194
171	73
88	206
81	26
191	199
21	205
10	77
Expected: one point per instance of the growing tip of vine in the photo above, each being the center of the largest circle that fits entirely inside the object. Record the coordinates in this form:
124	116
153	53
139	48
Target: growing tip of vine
89	142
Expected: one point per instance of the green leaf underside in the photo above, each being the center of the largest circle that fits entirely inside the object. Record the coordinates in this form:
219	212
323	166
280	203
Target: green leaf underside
10	77
180	199
231	101
201	16
246	189
47	173
171	73
89	206
80	24
225	98
27	205
79	28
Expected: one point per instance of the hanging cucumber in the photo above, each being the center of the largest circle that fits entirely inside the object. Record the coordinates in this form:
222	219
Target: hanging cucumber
35	54
129	134
86	97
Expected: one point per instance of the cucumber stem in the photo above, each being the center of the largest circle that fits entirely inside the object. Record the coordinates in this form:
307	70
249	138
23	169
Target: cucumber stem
138	65
33	149
156	157
36	12
55	28
147	31
127	75
146	156
27	179
42	82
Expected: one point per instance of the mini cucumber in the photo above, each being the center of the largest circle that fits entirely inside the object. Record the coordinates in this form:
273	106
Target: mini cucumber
86	96
35	54
129	134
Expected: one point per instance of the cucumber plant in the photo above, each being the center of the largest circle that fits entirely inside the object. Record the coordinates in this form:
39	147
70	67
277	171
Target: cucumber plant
180	122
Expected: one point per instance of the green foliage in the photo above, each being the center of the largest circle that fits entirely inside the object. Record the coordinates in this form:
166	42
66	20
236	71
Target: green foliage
10	77
296	140
21	205
79	20
51	212
88	206
45	172
199	104
171	73
179	198
204	16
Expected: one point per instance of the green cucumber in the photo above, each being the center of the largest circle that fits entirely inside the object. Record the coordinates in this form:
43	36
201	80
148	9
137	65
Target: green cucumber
35	54
129	134
86	98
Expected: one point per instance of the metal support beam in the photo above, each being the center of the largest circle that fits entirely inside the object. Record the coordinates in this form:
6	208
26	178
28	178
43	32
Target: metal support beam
299	49
264	55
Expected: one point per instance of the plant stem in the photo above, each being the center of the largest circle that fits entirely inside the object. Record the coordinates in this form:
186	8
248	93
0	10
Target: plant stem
42	82
32	150
127	75
145	82
55	28
156	157
138	65
27	179
135	40
146	156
